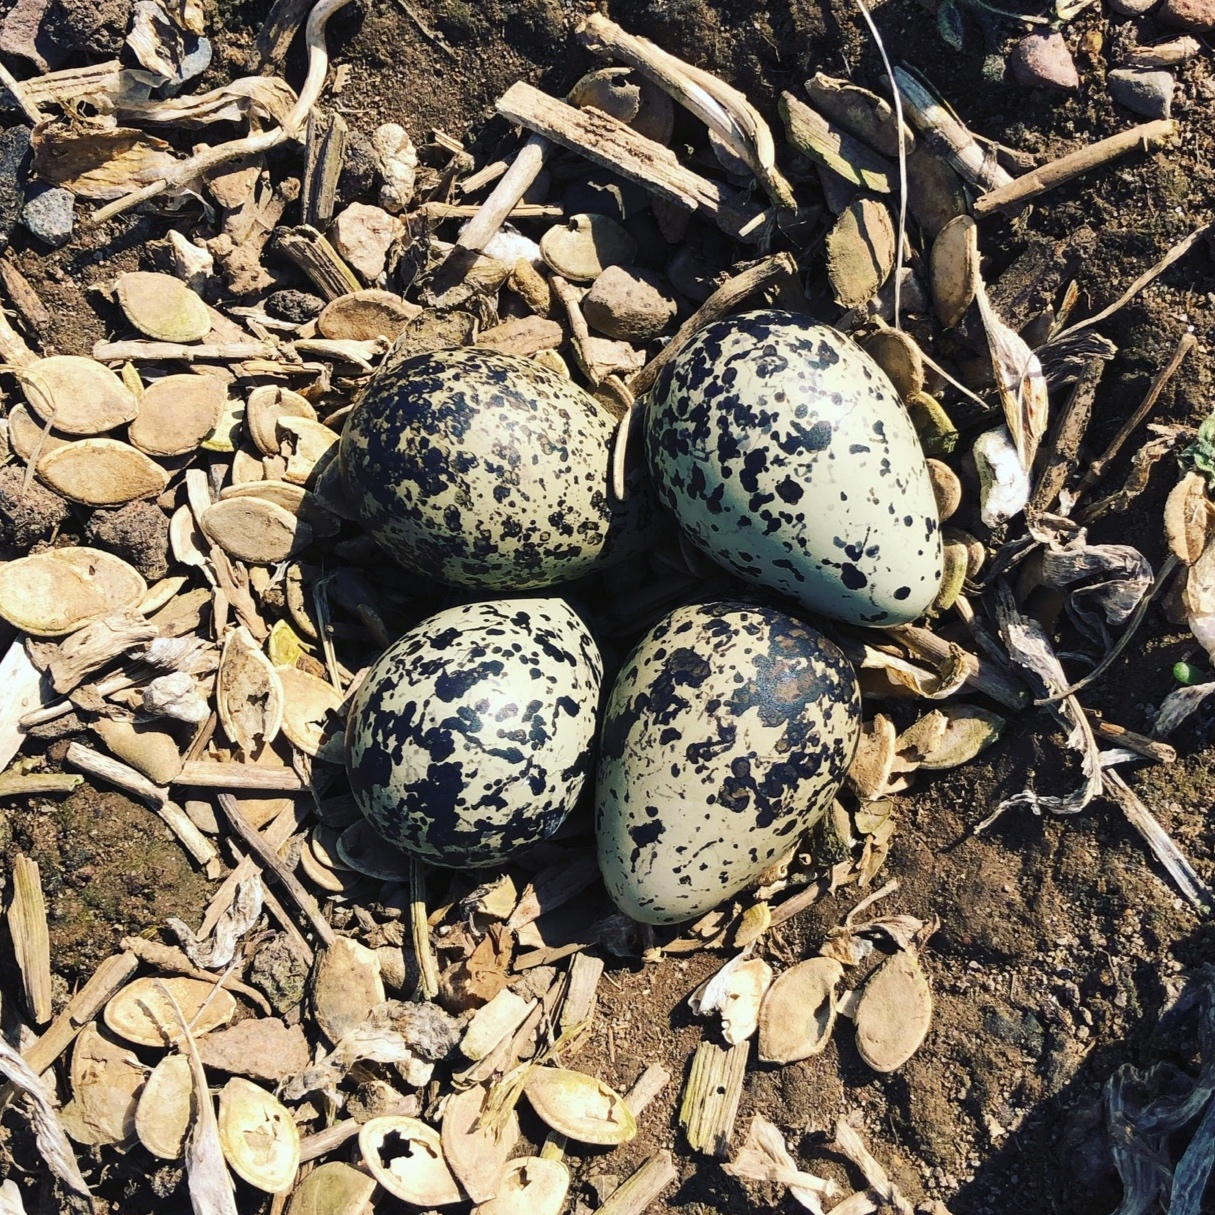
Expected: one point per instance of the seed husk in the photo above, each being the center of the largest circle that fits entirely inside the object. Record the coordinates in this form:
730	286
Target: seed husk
346	986
363	849
260	1139
47	598
140	1013
166	1108
893	1013
938	434
102	472
798	1013
106	1081
163	307
954	561
946	488
585	246
954	269
311	716
968	731
869	773
1187	518
249	696
860	252
581	1107
255	530
419	1175
265	406
281	493
531	1185
896	353
333	1188
363	316
78	396
307	444
476	1154
26	435
176	414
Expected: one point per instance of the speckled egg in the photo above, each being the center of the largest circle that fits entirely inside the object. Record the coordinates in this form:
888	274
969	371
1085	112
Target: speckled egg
470	738
487	470
726	735
786	455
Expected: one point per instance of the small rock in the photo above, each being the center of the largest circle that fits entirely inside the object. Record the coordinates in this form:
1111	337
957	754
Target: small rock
1146	93
90	27
1043	61
27	513
360	173
1189	14
398	162
137	532
279	972
363	235
261	1047
1132	8
191	263
633	305
24	33
14	150
147	748
49	213
292	305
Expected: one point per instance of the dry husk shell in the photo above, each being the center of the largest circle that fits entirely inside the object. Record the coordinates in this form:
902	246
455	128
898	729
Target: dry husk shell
798	1012
532	1185
363	316
78	396
102	472
946	488
896	353
226	434
265	406
146	746
249	696
333	1188
475	1154
363	849
938	435
306	444
860	252
955	560
106	1081
968	731
188	544
163	307
166	1107
59	591
284	646
953	267
935	193
176	414
346	986
861	113
585	246
581	1107
255	529
281	493
312	715
418	1175
26	435
609	90
869	773
893	1013
260	1139
1187	518
140	1013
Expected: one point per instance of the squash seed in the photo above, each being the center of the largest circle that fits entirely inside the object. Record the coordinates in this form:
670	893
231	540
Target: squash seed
581	1107
312	717
363	316
896	353
255	530
166	1108
333	1188
893	1013
106	1079
476	1154
968	730
414	1169
47	598
532	1185
798	1013
176	414
260	1139
585	246
78	396
265	406
860	252
163	307
102	472
953	269
26	435
140	1013
249	696
306	444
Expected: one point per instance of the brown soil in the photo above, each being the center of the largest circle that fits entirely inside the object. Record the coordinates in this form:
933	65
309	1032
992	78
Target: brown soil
1060	940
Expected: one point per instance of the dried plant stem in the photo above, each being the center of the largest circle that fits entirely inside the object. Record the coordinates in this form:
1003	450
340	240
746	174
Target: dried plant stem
982	676
638	1191
1069	433
724	300
428	971
25	784
270	859
1150	748
328	1140
211	774
1145	137
711	1096
1096	470
31	941
28	108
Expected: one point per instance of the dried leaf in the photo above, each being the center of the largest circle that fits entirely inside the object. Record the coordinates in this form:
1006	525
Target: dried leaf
97	163
1187	518
735	992
764	1157
219	950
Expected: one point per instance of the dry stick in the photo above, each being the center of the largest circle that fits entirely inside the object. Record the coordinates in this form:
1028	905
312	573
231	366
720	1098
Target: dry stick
505	196
27	784
168	957
121	352
724	300
1146	137
1096	470
612	145
1064	448
271	860
328	1140
31	111
981	675
639	1190
31	941
819	138
947	137
428	971
211	774
1149	748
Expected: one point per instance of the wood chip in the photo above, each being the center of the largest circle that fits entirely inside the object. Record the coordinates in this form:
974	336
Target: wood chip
163	307
31	941
77	395
711	1095
492	1022
102	472
176	413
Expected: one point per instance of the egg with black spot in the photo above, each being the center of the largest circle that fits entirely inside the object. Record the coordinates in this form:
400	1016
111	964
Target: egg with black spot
786	455
724	738
486	470
470	738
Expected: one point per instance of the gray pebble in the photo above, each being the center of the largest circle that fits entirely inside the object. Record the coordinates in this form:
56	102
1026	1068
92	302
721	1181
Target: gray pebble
1146	93
629	304
1132	8
14	149
49	213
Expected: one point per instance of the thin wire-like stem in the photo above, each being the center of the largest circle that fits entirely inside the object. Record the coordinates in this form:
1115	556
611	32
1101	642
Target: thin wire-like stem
898	121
